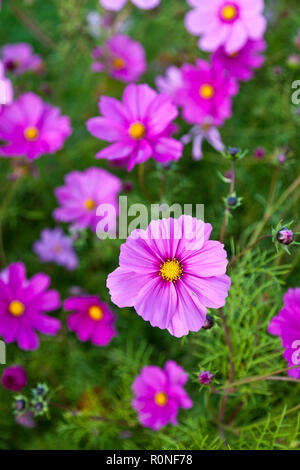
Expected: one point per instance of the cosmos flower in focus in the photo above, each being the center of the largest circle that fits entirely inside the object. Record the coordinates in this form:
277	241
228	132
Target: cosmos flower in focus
225	22
32	128
83	193
170	83
6	88
287	325
139	127
123	57
23	303
159	393
198	134
171	273
14	378
241	64
91	320
206	94
18	58
55	246
118	4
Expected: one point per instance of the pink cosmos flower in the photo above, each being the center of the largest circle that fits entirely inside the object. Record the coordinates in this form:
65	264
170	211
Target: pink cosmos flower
18	58
118	4
23	304
139	127
123	57
206	95
287	325
55	246
91	320
198	134
159	393
83	193
240	64
32	128
14	378
6	88
226	22
170	273
170	83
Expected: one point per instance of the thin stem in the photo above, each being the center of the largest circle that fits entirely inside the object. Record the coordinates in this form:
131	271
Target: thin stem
141	172
227	211
231	364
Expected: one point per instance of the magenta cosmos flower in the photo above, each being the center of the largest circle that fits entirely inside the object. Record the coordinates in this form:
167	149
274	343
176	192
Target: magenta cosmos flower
241	64
159	394
55	246
6	88
123	57
23	304
118	4
225	22
287	325
18	58
14	378
32	128
139	127
206	95
83	193
92	320
170	273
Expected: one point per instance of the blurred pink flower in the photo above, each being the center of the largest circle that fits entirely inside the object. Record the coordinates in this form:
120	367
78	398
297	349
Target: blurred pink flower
23	304
159	393
139	127
6	88
118	4
32	128
206	94
171	273
123	57
18	58
83	193
170	83
91	320
55	246
226	22
14	378
198	134
241	64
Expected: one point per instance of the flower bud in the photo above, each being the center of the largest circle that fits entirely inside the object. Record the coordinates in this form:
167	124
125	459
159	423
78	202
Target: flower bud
285	236
209	323
205	377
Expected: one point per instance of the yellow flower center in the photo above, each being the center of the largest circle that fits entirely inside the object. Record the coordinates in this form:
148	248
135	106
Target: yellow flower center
16	308
137	130
229	12
207	91
96	313
118	63
161	399
171	270
31	133
89	204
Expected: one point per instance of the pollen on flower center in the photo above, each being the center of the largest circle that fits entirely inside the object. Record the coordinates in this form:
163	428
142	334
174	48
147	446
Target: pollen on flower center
171	270
161	398
229	12
16	308
118	63
31	133
137	130
207	91
89	204
96	313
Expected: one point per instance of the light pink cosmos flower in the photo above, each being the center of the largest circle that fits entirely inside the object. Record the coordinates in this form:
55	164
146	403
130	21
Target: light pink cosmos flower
198	134
123	57
170	83
171	274
32	128
6	88
18	58
83	193
159	393
206	94
139	127
241	64
118	4
55	246
91	319
226	22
